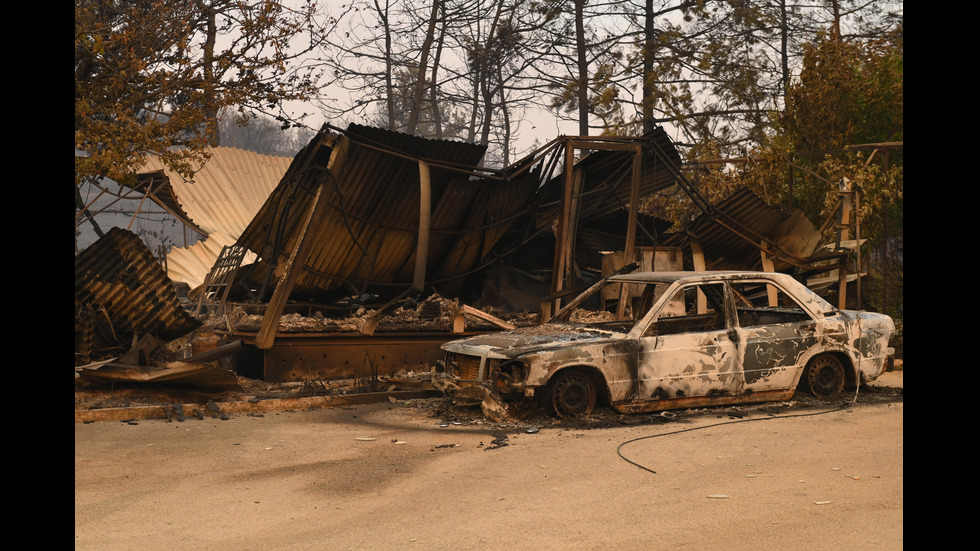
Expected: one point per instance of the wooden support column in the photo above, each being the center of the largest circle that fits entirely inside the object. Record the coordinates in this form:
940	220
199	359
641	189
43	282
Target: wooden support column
315	214
634	206
565	236
844	214
857	240
767	266
697	256
842	287
630	247
844	236
425	212
270	321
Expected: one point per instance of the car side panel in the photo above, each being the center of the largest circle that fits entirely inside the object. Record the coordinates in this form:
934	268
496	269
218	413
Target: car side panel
614	360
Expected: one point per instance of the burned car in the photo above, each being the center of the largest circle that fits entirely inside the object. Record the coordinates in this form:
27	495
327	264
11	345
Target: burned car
653	341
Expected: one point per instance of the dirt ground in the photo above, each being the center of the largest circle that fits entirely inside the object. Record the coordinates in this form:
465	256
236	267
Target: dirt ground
423	474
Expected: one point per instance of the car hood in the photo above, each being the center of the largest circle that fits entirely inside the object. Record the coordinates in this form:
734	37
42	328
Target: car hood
871	320
510	344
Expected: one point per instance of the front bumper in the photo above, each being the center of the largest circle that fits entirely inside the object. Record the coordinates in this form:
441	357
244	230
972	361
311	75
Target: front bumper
452	386
492	404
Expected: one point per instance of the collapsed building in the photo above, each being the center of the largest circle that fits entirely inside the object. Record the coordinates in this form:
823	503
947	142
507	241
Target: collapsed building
376	247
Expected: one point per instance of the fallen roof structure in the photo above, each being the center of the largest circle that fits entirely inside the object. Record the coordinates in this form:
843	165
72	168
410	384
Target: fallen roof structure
372	211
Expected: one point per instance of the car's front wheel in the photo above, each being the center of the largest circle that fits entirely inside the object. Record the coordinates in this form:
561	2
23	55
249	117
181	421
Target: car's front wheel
571	392
825	376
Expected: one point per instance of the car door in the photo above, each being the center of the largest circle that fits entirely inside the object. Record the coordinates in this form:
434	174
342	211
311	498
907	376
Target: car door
775	331
688	348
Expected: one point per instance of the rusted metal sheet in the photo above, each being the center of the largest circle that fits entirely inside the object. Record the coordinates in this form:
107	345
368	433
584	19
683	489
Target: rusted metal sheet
311	356
689	339
197	370
197	374
118	280
369	239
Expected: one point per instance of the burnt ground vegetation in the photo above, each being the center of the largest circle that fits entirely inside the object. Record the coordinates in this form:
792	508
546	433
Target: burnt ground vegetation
535	418
444	410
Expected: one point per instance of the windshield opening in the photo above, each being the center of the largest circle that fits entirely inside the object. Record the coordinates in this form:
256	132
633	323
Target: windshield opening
614	305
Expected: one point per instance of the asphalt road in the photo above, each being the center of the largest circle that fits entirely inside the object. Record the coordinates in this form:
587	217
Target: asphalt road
390	476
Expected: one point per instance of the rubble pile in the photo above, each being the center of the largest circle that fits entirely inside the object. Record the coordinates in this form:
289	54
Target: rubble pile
581	315
434	314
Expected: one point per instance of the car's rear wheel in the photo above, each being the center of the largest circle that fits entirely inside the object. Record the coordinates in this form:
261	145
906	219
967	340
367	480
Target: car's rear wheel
570	393
825	376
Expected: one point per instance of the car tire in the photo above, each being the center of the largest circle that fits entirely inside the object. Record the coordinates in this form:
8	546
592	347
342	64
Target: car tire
570	393
825	376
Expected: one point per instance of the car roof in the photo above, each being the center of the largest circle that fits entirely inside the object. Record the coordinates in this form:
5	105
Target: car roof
670	277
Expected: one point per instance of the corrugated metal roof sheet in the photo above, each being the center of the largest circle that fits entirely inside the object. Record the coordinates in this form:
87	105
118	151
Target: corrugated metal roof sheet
119	274
731	238
370	238
221	200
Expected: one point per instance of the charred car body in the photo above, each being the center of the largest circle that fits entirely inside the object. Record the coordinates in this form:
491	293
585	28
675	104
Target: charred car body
654	341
